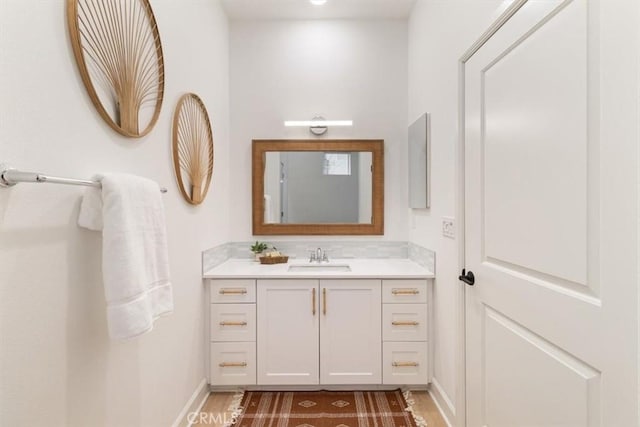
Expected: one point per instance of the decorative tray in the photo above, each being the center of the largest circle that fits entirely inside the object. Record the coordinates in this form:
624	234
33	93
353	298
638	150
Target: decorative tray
274	259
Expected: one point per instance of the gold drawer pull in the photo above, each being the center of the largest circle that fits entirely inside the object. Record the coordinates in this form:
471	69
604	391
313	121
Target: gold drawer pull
313	302
404	364
233	364
233	323
405	291
324	301
405	323
232	291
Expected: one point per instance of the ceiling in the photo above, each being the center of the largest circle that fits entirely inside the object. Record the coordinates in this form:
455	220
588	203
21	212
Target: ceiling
333	9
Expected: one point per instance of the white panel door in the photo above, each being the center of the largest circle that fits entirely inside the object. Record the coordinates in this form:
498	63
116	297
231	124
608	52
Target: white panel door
287	336
550	232
350	332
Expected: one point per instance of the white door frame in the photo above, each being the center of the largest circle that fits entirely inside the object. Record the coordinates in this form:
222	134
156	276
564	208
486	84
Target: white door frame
461	391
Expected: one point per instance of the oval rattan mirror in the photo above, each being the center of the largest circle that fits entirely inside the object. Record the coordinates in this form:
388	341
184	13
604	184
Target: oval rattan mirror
118	51
192	148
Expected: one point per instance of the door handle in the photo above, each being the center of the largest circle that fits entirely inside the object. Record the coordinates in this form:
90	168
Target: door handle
467	277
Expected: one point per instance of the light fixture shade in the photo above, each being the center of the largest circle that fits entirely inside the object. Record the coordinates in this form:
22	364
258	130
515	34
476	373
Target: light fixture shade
317	123
318	2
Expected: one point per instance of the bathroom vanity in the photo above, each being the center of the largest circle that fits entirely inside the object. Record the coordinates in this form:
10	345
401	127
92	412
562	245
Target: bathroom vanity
346	322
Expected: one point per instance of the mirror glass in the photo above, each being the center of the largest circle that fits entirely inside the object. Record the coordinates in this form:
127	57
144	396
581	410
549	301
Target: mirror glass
317	187
419	163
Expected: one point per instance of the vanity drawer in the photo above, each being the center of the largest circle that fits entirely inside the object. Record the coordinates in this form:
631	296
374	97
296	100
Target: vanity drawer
233	363
233	290
405	363
233	322
404	322
404	291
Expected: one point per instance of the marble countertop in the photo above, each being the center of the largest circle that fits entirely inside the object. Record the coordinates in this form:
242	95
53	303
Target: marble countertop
387	268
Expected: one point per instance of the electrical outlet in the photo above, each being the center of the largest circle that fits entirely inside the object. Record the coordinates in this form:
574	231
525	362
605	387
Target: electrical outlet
448	227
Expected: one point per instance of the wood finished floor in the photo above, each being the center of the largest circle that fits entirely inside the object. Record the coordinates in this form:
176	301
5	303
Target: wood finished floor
218	403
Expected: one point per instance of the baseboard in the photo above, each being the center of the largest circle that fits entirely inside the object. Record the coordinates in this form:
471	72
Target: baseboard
194	404
442	401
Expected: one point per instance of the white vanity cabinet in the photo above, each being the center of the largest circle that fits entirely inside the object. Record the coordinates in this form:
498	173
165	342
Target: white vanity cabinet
232	332
278	330
405	325
319	332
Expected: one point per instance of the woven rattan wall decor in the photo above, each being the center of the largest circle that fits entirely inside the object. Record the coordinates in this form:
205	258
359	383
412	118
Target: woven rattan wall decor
118	51
192	148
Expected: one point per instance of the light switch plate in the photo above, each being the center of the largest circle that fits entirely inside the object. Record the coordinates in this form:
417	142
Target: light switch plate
448	227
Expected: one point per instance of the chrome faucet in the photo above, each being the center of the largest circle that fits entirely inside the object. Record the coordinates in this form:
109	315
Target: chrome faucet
318	256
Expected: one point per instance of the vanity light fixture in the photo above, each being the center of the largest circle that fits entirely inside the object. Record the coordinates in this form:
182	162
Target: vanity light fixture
318	125
318	2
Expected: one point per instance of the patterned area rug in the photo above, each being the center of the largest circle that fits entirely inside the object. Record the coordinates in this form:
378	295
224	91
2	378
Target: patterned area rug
325	409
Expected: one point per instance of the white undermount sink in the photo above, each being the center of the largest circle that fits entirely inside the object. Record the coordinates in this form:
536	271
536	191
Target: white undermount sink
318	268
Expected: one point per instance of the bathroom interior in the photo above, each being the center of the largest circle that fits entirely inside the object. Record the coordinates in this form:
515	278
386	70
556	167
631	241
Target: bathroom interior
455	181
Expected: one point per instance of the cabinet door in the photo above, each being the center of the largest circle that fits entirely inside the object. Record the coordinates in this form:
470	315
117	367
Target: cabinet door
288	343
350	332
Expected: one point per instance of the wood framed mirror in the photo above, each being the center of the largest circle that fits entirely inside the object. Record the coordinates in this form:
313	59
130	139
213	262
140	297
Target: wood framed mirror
311	187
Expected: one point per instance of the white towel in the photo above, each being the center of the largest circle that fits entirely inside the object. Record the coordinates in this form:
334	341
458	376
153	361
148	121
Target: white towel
135	265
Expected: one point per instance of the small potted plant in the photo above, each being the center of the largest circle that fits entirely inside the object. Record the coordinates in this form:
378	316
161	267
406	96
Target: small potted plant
258	248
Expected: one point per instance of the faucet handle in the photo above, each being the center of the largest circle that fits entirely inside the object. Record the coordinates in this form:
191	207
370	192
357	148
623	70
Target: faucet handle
325	258
312	256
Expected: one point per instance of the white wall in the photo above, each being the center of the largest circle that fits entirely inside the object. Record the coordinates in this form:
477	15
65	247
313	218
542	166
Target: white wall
439	33
295	70
57	365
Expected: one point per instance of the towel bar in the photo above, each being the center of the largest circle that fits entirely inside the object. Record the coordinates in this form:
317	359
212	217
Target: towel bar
10	177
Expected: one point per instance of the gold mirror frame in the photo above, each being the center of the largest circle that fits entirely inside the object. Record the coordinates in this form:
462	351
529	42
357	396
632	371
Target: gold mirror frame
117	46
261	147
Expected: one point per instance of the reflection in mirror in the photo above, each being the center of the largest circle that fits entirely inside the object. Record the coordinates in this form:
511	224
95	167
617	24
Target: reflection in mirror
419	158
318	187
